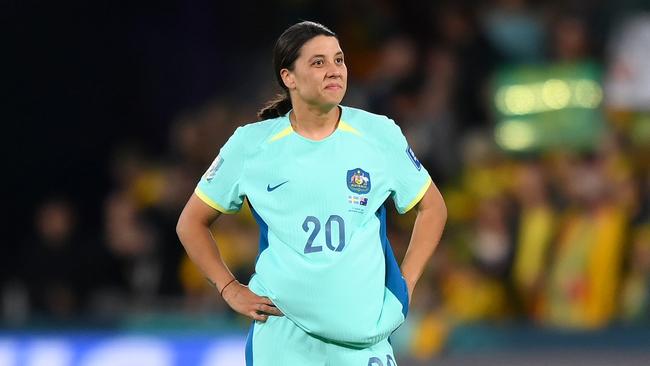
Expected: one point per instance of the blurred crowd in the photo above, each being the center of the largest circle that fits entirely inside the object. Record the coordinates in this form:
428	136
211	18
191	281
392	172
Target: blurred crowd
555	237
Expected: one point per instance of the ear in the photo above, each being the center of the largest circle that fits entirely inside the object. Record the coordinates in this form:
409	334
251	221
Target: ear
288	78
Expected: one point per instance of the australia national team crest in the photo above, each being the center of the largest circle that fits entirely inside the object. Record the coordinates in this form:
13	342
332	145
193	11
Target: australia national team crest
358	181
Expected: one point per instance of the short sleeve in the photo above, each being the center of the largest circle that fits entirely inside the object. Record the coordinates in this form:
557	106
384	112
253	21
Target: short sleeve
220	187
410	180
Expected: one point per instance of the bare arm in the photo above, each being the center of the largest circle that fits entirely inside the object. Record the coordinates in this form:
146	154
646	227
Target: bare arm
193	230
429	224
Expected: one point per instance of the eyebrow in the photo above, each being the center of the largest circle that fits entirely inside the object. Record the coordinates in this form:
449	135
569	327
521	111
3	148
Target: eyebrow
319	55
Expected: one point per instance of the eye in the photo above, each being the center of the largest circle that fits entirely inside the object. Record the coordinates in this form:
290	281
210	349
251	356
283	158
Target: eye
317	62
339	60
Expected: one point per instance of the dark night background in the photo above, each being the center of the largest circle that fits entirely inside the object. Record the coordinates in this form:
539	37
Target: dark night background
83	76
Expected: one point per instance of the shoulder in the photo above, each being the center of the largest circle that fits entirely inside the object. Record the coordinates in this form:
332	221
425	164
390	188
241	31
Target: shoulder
251	136
370	124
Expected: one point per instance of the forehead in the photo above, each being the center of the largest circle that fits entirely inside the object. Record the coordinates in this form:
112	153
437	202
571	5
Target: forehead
320	45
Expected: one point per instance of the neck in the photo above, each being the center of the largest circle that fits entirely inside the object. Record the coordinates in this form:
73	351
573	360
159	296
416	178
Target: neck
314	123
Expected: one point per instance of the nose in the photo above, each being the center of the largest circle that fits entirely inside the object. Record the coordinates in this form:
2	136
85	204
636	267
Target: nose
333	72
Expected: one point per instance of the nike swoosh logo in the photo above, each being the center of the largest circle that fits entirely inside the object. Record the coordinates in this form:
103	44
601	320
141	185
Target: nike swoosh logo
270	189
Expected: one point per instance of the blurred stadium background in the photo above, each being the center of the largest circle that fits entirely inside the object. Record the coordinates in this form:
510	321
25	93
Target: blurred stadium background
533	118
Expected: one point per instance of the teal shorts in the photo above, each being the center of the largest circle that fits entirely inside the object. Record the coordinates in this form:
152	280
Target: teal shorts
280	342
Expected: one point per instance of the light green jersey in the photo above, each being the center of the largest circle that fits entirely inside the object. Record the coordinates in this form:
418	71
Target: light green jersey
325	259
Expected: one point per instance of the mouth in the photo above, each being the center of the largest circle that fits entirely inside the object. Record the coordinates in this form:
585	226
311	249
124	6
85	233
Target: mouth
333	87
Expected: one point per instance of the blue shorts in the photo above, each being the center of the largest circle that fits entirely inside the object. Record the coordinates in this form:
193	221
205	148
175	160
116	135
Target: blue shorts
280	342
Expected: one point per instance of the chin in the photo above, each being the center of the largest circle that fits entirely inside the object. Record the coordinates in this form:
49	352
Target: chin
333	100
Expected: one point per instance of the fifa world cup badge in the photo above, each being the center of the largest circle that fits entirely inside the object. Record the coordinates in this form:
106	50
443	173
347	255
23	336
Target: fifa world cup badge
212	170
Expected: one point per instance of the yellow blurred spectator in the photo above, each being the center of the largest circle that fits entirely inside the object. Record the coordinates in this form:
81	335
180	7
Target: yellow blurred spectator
635	295
470	296
536	230
582	288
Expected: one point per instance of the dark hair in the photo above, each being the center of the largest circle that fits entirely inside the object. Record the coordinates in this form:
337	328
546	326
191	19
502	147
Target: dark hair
285	52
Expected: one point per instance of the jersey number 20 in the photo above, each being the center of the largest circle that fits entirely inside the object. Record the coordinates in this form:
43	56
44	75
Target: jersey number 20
310	248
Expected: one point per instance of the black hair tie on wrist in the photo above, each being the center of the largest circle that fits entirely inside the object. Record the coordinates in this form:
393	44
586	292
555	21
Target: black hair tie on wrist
223	288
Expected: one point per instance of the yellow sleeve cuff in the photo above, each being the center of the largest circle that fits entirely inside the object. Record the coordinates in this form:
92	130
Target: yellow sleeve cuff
208	201
417	198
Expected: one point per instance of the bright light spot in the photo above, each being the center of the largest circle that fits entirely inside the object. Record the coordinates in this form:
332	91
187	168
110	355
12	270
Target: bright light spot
519	99
556	94
7	353
225	353
588	93
49	353
500	100
130	351
515	135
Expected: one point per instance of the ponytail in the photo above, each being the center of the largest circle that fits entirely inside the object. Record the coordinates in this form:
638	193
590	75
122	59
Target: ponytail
276	107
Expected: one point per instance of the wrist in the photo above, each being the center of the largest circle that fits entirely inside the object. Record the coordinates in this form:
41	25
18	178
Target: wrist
227	285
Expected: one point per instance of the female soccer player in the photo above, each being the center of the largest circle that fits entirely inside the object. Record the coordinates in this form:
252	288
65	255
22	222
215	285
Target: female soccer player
327	289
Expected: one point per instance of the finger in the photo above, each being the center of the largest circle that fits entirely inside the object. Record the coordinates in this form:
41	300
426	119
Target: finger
270	303
259	317
271	310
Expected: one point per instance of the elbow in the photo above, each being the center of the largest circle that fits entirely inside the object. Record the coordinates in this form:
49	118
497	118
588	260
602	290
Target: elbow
181	227
443	209
443	214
